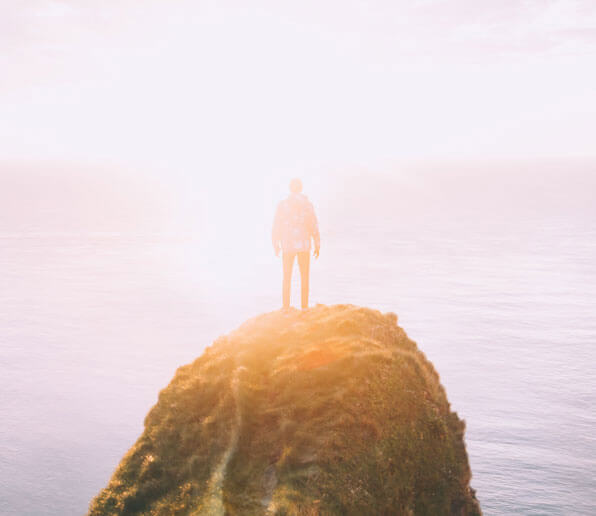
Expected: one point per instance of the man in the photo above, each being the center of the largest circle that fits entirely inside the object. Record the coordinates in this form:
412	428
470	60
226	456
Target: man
294	226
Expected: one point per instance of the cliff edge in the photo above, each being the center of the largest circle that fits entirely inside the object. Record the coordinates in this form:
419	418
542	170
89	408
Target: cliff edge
329	411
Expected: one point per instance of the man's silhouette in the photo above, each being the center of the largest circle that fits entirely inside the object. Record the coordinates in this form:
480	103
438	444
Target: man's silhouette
294	225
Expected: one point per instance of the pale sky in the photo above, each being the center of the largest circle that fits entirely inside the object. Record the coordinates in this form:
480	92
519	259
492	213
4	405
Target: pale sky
221	85
214	105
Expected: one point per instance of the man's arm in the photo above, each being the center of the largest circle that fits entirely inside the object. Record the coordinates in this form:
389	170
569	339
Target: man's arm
314	231
276	231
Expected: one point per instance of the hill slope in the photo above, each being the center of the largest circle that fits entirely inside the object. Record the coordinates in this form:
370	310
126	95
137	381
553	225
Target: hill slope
329	411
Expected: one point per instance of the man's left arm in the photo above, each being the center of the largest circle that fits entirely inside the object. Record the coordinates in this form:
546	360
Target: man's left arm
276	231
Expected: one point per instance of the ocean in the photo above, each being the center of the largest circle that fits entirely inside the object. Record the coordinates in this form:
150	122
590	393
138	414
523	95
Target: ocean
492	273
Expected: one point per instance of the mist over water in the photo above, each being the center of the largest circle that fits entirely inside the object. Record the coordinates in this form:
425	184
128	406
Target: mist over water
493	274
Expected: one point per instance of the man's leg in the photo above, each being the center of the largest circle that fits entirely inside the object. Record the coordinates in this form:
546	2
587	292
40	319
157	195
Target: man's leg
288	264
304	264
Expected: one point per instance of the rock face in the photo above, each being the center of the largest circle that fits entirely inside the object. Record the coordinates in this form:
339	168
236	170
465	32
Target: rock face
328	411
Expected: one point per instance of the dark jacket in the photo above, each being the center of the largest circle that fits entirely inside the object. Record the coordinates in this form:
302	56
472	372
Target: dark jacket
295	224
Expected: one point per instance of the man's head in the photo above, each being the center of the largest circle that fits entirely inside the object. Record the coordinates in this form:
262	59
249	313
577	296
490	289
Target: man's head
295	185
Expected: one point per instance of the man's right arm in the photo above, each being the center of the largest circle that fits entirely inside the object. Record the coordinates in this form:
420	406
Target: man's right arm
314	231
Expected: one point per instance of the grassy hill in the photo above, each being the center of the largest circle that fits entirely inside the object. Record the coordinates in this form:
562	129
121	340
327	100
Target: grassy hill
328	411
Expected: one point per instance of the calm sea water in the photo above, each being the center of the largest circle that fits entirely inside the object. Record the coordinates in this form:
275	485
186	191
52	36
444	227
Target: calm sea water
495	281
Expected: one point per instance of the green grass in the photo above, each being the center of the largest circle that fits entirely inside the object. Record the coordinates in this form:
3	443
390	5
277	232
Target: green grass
336	412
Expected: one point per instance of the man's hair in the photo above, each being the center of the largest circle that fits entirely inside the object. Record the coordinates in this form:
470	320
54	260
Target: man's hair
295	185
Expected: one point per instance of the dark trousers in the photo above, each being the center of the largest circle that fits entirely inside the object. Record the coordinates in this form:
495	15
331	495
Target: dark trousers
303	264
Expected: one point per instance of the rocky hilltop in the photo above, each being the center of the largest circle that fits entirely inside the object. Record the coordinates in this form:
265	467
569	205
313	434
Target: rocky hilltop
333	410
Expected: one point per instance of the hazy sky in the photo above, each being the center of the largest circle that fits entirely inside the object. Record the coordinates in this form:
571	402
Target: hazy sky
221	86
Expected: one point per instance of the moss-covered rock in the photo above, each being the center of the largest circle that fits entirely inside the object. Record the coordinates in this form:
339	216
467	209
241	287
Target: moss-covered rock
328	411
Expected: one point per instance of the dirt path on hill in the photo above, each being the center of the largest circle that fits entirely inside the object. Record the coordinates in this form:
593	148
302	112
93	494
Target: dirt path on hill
214	505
